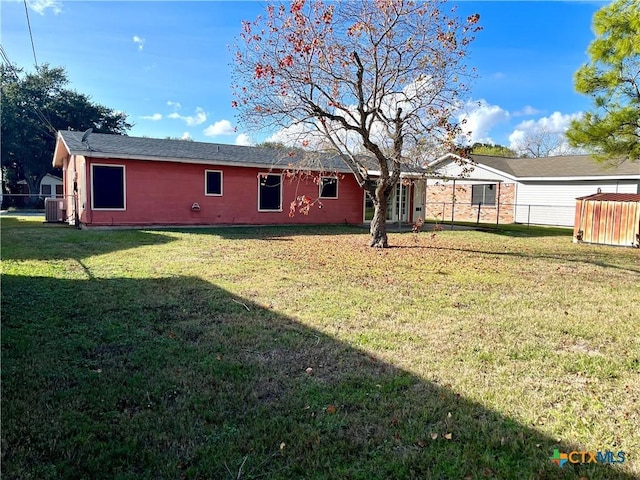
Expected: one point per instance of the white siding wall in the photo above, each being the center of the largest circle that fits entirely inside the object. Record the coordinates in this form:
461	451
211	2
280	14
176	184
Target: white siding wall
479	172
52	182
554	203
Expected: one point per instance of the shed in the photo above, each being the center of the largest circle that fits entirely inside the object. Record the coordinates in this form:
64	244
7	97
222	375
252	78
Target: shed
608	219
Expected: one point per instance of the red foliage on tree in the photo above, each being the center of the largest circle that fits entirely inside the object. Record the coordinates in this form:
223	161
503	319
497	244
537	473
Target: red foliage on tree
377	82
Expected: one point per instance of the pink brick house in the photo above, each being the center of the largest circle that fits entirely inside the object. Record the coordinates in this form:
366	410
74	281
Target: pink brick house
114	180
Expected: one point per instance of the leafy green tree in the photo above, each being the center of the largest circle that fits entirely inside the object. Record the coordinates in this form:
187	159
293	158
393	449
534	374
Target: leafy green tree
612	79
34	107
493	150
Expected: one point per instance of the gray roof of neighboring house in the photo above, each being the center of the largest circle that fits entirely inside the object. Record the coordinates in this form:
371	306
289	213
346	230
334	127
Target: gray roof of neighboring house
560	166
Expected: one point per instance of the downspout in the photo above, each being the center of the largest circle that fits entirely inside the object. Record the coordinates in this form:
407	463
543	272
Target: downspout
76	216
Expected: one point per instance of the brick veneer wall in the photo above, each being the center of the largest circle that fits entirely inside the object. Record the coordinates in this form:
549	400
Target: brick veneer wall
440	200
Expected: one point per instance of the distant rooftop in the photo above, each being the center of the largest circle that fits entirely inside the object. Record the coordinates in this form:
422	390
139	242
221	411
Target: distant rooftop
560	166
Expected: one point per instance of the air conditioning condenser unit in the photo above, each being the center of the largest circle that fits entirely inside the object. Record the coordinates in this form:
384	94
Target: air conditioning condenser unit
54	210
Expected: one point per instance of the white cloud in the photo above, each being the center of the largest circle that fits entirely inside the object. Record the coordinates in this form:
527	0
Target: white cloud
185	136
480	117
175	105
244	140
223	127
547	132
196	119
295	135
41	6
526	111
155	117
555	123
139	41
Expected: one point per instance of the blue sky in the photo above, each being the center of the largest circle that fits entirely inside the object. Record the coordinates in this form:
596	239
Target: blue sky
166	64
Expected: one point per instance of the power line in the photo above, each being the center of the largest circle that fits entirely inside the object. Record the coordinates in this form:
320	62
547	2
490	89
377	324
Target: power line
48	129
33	47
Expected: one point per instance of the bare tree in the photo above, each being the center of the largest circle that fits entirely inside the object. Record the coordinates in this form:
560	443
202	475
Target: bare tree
543	142
381	77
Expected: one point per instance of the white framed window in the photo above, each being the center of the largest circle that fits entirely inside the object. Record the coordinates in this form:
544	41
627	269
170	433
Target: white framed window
485	194
269	192
328	187
108	187
213	183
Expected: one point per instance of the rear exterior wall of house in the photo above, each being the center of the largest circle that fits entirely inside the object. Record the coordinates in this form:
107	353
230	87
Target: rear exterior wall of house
172	193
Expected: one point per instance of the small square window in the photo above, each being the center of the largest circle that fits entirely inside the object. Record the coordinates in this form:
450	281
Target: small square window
213	182
328	187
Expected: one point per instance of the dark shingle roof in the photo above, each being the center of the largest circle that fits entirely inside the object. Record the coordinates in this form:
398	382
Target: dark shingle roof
561	166
102	145
141	148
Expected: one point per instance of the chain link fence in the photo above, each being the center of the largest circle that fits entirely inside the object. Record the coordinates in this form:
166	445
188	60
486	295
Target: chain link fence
503	213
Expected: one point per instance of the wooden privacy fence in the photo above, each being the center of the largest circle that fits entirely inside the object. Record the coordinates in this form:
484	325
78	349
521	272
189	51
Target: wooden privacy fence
608	219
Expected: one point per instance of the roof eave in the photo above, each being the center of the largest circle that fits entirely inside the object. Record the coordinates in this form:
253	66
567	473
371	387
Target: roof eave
58	154
151	158
444	157
578	178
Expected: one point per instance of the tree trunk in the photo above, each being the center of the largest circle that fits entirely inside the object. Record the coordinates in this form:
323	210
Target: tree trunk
32	185
379	221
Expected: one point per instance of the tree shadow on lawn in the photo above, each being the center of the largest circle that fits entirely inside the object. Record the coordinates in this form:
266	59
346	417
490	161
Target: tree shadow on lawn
177	378
580	255
597	255
269	232
508	229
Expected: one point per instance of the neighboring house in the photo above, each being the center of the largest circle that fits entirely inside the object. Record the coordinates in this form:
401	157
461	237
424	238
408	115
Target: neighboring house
540	191
121	180
50	186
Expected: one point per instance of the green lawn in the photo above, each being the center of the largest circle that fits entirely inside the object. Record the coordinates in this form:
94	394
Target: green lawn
299	352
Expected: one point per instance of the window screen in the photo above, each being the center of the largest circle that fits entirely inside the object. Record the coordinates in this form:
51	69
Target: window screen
485	194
